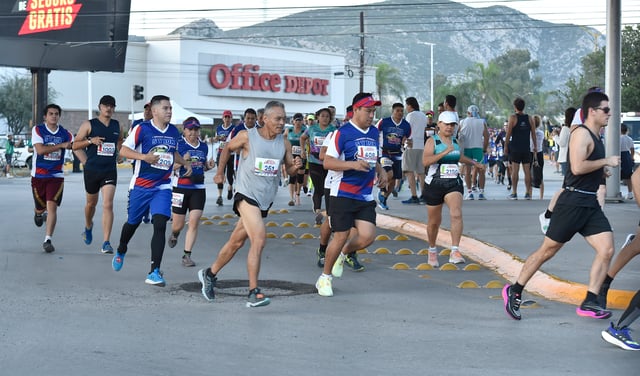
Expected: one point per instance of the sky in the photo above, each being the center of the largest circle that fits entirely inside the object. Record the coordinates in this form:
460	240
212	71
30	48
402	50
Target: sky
159	17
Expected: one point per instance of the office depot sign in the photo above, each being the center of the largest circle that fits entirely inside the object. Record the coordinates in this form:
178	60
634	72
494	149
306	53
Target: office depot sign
249	77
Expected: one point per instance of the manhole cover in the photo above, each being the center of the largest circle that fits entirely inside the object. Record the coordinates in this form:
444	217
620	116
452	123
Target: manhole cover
239	287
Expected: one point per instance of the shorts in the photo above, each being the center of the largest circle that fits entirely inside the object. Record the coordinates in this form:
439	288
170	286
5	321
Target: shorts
327	201
536	171
46	189
412	161
392	163
474	153
345	212
518	157
626	165
183	199
240	197
435	191
94	180
567	220
148	200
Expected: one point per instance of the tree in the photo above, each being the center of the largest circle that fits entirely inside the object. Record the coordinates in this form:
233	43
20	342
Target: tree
16	101
517	71
389	83
491	94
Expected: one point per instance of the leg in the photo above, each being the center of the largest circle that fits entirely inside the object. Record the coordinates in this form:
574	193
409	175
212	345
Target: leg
229	249
602	243
434	219
333	249
411	178
257	234
515	172
52	217
90	209
108	193
526	168
627	253
454	202
192	231
547	250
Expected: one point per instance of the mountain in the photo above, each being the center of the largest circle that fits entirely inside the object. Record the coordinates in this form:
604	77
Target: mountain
396	32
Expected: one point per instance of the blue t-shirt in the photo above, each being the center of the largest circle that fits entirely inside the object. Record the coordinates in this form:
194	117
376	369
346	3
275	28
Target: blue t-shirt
198	157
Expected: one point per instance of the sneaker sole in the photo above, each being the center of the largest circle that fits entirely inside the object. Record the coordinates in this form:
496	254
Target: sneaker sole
261	303
325	293
107	251
201	278
616	342
49	249
594	315
457	261
505	299
154	283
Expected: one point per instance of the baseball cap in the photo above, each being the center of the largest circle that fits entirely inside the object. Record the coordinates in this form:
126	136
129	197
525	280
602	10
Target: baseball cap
448	117
108	100
148	104
298	116
191	123
311	117
227	113
429	113
367	102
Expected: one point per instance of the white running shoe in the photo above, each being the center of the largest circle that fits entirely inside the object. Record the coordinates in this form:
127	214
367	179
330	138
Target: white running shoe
628	240
338	266
455	257
433	259
323	284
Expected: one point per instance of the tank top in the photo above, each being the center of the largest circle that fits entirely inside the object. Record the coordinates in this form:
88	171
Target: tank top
294	140
580	190
520	134
447	166
259	172
103	157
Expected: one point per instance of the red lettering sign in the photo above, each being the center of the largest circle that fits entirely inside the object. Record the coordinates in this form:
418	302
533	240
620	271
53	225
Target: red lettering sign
47	15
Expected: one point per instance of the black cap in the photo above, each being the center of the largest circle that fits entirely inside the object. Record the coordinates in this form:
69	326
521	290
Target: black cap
298	116
108	100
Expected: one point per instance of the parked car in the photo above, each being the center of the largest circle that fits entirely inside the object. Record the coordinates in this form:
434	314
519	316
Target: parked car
636	150
21	155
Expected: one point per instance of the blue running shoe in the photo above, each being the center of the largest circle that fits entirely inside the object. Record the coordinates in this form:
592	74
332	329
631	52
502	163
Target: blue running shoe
87	235
620	337
118	261
155	278
382	201
107	248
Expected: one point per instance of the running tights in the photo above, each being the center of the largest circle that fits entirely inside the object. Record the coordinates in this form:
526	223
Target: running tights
317	174
631	313
157	240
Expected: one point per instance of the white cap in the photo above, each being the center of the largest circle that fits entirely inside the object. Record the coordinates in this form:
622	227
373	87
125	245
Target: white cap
448	117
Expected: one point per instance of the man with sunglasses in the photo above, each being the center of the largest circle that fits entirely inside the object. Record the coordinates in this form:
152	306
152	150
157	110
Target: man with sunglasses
577	211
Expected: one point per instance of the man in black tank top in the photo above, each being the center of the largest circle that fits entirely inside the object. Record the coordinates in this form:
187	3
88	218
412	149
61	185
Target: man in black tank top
97	145
520	130
577	211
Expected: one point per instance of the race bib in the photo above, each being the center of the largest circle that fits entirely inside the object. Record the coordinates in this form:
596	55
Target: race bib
53	156
266	167
386	162
368	154
296	150
165	162
449	171
107	149
177	199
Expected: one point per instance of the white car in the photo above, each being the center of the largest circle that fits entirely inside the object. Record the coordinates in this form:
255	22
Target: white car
21	155
636	149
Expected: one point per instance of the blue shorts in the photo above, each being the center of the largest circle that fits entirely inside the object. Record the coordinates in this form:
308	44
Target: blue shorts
145	200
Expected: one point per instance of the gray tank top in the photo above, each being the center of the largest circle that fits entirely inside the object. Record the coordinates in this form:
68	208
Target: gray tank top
259	173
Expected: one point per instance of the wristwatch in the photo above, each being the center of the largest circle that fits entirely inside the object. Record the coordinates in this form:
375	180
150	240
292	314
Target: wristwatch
89	139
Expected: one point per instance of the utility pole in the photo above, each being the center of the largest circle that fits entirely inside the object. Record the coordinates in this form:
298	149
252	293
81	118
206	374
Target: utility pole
361	52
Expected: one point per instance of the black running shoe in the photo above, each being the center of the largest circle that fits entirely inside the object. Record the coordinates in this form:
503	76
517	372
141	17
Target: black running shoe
173	239
257	299
208	283
320	258
592	309
511	302
48	247
219	201
38	219
229	194
354	264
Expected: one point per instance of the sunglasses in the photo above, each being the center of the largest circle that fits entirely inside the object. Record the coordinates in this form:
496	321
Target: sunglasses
604	109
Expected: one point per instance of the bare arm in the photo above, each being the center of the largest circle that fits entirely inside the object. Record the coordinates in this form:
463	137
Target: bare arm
533	135
507	137
580	147
238	143
292	164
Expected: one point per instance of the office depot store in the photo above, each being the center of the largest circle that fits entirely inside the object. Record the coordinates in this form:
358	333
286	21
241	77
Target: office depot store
208	77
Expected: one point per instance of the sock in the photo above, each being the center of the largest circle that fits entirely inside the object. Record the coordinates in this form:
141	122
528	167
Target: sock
210	274
47	238
482	191
433	249
547	214
187	253
517	288
591	297
607	280
323	248
326	276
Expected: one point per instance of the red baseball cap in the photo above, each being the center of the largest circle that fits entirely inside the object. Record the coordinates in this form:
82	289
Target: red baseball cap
227	113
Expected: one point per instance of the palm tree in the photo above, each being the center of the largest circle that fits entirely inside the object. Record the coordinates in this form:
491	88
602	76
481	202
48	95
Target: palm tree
488	90
388	82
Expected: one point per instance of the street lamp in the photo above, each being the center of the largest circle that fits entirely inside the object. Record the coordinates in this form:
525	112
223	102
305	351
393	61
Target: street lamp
431	70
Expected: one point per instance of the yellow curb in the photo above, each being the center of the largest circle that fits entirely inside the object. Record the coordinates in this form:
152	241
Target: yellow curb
366	260
424	266
216	217
303	225
448	267
445	252
223	223
203	218
382	251
401	237
471	267
382	237
283	211
271	235
361	251
468	285
272	211
425	276
494	285
404	251
506	264
229	216
400	266
287	224
423	252
288	235
307	236
207	223
271	224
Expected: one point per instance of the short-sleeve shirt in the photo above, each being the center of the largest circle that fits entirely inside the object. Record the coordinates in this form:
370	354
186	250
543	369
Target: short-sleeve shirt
49	165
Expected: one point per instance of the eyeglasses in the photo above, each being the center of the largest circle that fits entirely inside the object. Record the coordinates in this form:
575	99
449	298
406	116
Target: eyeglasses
604	109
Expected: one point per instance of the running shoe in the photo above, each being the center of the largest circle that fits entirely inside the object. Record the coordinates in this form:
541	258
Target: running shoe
48	247
257	299
527	196
354	264
319	217
187	262
155	278
481	197
38	219
433	259
544	222
292	203
620	337
455	257
628	240
208	281
338	266
469	196
173	239
219	201
512	196
106	248
323	284
87	235
412	200
382	201
422	200
394	193
229	194
305	189
146	218
511	302
320	262
593	310
118	261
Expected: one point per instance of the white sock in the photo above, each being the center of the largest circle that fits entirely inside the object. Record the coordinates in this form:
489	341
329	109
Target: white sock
454	248
433	249
47	238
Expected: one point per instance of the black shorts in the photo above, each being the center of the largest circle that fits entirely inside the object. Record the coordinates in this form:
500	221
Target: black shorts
94	180
183	199
392	163
345	212
567	220
626	165
520	157
327	201
435	191
536	171
240	197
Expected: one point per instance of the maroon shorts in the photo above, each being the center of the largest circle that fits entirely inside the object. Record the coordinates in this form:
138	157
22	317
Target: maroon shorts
46	189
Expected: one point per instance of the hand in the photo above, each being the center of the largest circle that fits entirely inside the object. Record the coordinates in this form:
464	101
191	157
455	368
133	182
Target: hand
382	180
361	165
218	178
97	140
297	161
151	158
613	161
189	171
211	164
